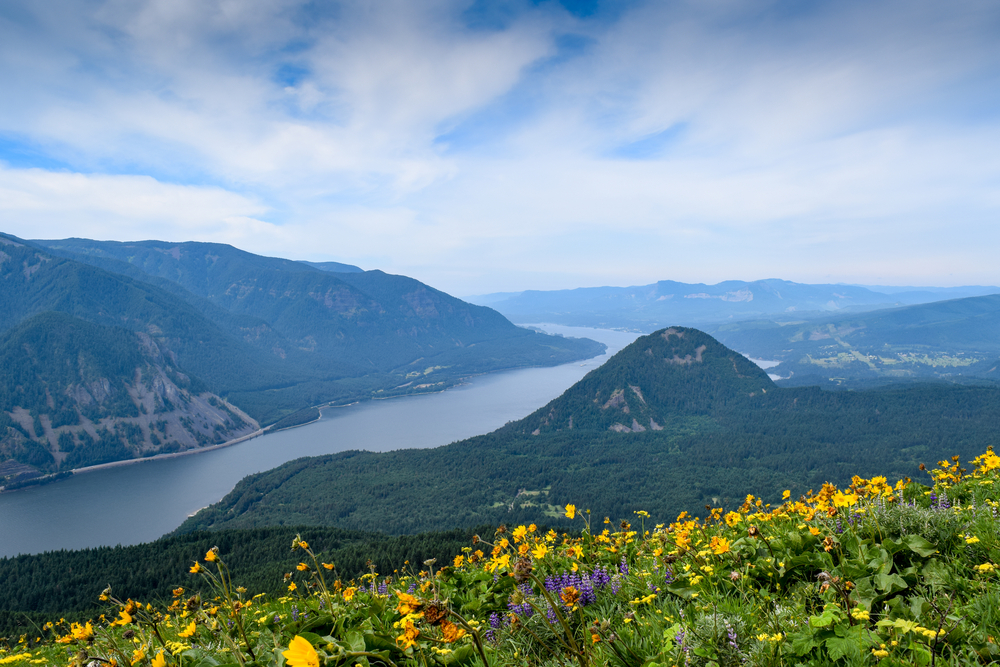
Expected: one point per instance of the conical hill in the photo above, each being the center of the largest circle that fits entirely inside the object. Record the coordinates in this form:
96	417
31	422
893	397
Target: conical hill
672	372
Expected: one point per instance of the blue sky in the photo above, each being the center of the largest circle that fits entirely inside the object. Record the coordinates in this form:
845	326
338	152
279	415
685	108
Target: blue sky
487	146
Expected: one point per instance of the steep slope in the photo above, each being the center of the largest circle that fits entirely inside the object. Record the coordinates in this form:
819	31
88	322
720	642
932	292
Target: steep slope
713	428
365	322
278	337
649	307
77	393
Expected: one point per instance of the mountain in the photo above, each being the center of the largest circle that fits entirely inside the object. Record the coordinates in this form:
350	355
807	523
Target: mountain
957	339
357	323
650	307
333	267
104	361
671	423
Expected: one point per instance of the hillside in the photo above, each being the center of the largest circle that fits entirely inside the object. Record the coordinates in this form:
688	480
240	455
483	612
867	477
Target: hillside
953	340
650	307
76	393
349	323
261	339
874	573
675	418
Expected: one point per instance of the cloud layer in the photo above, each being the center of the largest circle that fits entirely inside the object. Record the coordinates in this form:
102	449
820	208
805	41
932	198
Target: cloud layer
509	145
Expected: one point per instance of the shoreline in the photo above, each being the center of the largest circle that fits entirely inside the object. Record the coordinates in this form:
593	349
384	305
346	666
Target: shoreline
160	457
458	382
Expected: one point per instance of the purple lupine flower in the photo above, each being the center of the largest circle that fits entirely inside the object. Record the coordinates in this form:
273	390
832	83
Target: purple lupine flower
550	614
731	634
616	584
412	588
496	621
295	613
600	577
382	588
587	595
668	576
623	568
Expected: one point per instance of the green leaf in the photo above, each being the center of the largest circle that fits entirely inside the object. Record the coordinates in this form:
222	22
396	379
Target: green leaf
839	647
803	642
919	545
889	583
355	640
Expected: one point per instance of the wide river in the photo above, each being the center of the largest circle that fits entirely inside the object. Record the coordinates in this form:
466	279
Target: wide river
138	503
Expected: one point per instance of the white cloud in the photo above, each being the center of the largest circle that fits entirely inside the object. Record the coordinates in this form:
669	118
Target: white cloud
824	141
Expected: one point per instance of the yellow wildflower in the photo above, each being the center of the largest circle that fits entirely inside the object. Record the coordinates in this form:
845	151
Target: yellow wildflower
540	551
570	511
409	637
138	655
212	555
451	632
159	660
196	568
349	593
300	653
188	631
519	533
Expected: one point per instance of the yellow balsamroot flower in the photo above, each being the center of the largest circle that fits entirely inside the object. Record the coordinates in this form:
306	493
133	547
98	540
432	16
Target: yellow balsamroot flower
328	566
349	593
196	568
159	660
188	631
451	632
719	545
303	544
211	556
570	511
124	618
519	533
408	638
300	653
302	567
138	655
292	587
786	494
407	604
459	561
540	551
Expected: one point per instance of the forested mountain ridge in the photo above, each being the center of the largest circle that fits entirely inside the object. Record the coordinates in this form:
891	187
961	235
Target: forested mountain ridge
724	431
358	322
208	368
77	393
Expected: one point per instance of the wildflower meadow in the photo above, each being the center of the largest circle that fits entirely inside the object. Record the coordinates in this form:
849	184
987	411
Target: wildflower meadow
871	574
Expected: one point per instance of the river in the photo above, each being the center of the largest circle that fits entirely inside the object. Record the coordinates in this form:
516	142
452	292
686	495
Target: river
138	503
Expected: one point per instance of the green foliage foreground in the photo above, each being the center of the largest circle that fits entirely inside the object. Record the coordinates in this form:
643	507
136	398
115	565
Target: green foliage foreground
869	574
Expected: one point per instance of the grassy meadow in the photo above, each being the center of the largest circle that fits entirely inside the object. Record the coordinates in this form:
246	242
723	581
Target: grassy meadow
872	574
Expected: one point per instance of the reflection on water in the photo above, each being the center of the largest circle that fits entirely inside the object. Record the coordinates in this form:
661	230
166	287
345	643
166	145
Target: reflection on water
139	503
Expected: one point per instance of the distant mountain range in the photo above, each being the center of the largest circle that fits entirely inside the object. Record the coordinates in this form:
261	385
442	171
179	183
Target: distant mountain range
957	340
120	350
673	422
669	303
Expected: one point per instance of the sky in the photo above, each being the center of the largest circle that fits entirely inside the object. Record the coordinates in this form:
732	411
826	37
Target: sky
487	146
